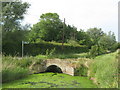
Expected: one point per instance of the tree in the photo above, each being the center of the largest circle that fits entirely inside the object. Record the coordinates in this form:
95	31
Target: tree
12	30
95	34
12	14
70	33
48	29
108	42
83	38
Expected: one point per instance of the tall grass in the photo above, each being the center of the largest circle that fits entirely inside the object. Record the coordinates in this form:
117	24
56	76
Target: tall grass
11	70
15	67
105	69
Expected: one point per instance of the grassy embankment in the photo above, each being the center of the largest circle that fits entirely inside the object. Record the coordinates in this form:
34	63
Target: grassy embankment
103	70
14	68
17	69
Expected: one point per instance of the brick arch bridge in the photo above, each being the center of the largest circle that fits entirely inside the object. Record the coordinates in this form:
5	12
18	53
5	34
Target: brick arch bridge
66	66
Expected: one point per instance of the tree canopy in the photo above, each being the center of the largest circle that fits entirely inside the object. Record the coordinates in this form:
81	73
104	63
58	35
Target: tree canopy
47	29
12	14
12	30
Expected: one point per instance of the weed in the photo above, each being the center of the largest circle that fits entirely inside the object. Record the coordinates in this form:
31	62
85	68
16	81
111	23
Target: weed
104	69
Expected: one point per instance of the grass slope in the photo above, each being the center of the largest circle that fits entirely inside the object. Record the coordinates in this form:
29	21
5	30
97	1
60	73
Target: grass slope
104	69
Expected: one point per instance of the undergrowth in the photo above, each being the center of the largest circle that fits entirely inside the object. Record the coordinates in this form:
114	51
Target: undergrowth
14	68
105	70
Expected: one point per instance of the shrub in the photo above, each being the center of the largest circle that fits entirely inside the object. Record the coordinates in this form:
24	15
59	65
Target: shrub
51	48
81	71
10	71
24	62
93	51
42	48
73	42
13	73
96	50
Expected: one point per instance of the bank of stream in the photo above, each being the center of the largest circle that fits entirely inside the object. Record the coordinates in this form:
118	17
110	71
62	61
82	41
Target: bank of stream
51	80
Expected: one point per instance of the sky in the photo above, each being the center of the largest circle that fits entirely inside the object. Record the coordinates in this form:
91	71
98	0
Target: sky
83	14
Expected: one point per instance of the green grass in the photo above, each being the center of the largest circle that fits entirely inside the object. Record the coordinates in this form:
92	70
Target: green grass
49	80
104	69
11	71
14	68
63	56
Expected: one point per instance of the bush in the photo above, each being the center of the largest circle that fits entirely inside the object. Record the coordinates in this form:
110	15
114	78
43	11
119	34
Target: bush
81	71
13	73
96	50
42	48
14	68
10	71
50	48
73	42
12	48
24	62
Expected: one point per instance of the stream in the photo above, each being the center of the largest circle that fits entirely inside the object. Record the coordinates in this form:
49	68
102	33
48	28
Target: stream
51	80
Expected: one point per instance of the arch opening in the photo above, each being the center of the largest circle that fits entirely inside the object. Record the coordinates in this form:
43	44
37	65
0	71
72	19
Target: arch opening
54	69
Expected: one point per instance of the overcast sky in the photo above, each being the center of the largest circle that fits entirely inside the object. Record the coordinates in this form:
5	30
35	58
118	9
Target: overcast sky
83	14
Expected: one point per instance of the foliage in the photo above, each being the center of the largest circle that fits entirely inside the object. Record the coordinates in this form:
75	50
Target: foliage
95	34
50	28
96	50
118	45
72	42
14	68
12	42
50	52
93	51
81	71
104	69
46	48
11	71
108	42
12	14
12	31
41	48
47	29
103	44
83	38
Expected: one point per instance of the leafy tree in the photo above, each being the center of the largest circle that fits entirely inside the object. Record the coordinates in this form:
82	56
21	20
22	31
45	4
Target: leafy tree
96	50
12	14
12	30
70	34
95	34
83	38
108	42
118	45
47	29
